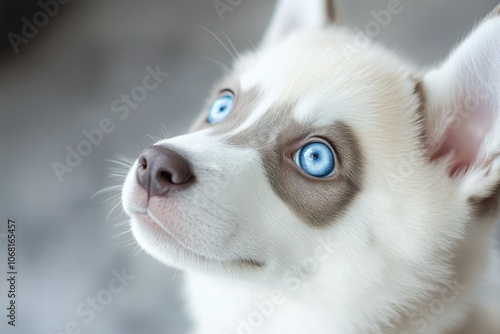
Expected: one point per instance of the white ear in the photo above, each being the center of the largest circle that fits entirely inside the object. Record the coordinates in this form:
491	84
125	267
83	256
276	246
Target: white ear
293	14
463	109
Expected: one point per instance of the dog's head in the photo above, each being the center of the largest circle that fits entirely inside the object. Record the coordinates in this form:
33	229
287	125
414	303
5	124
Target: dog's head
315	146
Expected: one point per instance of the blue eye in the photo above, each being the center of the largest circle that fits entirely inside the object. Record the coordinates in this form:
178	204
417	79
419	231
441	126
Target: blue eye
316	159
221	108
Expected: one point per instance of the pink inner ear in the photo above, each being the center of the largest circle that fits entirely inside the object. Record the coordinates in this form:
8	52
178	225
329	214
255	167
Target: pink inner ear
464	137
464	95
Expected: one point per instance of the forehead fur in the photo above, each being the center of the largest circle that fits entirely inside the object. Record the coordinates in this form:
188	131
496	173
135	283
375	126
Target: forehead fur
310	59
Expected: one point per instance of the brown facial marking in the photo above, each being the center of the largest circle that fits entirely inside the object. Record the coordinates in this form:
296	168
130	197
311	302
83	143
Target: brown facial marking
243	104
319	202
487	207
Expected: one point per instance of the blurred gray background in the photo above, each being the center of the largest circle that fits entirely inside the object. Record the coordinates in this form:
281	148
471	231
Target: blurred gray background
64	80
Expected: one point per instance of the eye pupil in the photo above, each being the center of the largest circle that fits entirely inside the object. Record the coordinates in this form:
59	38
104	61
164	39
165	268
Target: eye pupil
316	159
220	108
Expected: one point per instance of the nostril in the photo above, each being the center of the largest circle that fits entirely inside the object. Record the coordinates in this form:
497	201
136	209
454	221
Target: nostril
173	177
143	163
143	173
164	177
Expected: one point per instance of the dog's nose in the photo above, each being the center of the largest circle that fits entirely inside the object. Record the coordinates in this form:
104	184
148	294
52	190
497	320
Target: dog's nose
161	169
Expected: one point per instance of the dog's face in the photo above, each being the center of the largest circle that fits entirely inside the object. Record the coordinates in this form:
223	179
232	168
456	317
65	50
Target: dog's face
310	150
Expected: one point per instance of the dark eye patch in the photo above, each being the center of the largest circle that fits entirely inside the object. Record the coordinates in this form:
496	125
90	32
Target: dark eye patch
318	201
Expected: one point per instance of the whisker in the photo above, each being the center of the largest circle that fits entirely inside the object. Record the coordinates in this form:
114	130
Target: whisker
153	265
124	222
114	197
124	158
136	251
174	275
118	177
232	45
128	242
224	66
124	163
252	45
119	171
164	131
121	234
115	206
220	41
106	190
154	138
122	215
127	245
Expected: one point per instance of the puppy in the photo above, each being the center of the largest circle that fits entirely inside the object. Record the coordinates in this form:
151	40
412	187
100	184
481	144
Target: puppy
329	187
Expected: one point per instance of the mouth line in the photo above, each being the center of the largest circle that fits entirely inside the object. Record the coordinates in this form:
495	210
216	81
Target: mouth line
148	215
